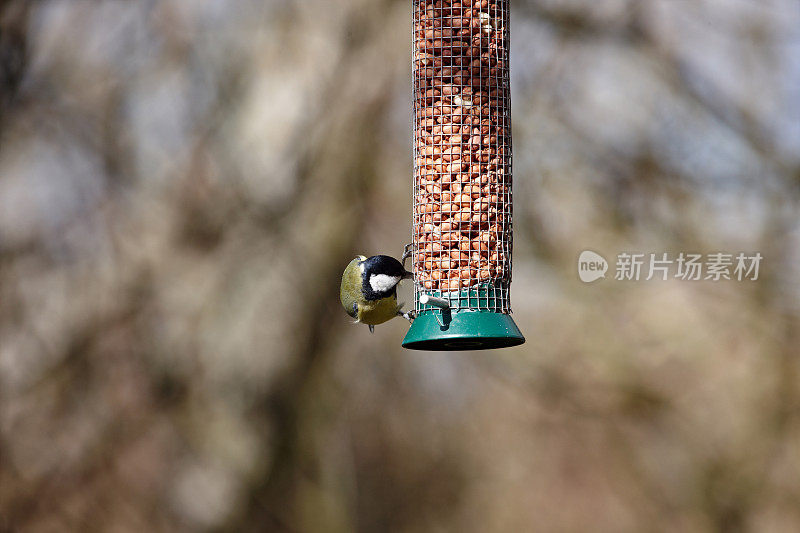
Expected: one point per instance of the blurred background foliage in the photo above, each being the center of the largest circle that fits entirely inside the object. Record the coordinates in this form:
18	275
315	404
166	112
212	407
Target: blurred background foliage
182	182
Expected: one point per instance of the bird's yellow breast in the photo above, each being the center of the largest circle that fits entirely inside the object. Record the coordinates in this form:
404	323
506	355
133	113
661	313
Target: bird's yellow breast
377	311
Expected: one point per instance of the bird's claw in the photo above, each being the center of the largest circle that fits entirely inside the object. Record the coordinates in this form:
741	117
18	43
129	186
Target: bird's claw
408	249
408	315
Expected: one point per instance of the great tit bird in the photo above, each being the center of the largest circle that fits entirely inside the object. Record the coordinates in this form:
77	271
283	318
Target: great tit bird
369	289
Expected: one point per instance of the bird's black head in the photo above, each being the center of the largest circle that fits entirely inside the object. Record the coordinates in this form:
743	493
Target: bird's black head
381	274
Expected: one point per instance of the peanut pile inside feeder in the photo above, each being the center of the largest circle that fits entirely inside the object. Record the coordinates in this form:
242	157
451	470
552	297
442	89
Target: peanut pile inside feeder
462	144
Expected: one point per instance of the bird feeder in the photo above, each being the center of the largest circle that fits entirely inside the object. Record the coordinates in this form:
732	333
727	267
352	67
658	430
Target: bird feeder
461	245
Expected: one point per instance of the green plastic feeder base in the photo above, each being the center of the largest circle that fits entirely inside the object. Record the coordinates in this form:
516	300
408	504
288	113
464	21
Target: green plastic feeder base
462	329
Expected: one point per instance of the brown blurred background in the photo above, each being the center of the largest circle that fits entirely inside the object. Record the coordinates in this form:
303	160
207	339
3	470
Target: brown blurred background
182	182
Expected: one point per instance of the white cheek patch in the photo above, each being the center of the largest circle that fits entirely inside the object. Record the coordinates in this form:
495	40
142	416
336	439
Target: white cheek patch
383	282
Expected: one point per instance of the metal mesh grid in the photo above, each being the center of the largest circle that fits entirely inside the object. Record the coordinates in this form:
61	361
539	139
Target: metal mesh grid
462	152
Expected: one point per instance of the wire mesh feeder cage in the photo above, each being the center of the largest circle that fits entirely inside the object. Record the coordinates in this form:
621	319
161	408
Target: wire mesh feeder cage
462	176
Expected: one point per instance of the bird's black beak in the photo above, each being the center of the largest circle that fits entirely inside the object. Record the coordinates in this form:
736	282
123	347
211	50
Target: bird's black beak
407	275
